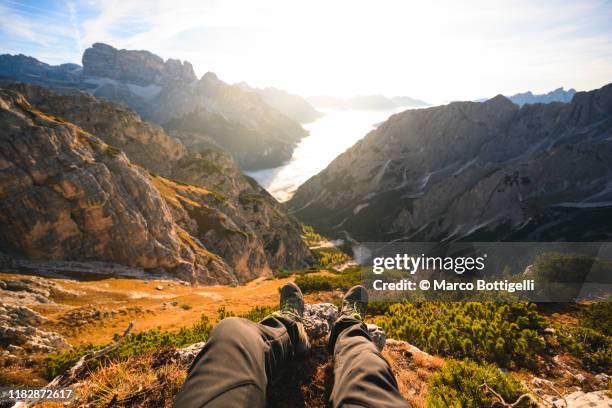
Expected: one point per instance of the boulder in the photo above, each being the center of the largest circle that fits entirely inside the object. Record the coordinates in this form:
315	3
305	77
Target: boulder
319	318
19	328
580	399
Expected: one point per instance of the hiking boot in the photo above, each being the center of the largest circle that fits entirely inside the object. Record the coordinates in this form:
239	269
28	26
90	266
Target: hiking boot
355	302
292	300
292	307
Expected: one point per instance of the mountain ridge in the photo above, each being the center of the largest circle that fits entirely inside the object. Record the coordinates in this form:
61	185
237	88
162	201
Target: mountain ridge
449	172
164	91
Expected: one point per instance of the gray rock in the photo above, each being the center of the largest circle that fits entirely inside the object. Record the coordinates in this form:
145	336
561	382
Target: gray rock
168	93
187	354
19	329
135	67
602	378
581	399
319	318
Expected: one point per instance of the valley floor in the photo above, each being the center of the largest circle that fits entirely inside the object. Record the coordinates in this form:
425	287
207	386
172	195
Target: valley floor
93	311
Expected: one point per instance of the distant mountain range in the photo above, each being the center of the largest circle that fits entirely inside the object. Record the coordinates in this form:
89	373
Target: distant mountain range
476	171
293	106
169	93
558	95
365	102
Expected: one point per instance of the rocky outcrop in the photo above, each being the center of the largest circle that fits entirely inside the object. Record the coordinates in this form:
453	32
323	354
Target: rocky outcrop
144	143
19	328
31	290
225	218
292	106
477	171
256	134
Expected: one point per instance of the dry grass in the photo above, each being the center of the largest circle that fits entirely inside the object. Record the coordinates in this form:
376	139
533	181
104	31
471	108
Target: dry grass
117	294
134	382
145	382
174	192
412	371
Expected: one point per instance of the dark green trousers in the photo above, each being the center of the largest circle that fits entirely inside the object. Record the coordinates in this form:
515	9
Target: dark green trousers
242	358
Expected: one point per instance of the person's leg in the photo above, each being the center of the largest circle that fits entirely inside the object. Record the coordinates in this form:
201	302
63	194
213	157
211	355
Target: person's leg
241	358
362	377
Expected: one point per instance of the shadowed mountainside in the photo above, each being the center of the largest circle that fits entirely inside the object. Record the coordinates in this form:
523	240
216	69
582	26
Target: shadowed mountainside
483	171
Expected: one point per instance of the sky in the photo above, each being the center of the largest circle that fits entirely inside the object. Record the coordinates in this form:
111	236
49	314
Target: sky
433	50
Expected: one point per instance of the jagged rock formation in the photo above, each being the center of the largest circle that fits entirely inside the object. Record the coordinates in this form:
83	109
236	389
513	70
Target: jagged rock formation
169	91
68	195
137	67
292	106
478	171
558	95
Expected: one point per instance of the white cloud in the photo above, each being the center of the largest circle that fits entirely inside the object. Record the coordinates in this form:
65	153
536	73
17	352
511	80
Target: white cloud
436	50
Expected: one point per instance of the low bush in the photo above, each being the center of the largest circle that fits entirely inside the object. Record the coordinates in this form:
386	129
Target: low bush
483	331
134	345
462	384
591	340
327	258
256	314
319	283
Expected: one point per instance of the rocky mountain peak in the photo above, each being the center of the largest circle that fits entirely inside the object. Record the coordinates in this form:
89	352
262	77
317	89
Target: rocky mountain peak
133	66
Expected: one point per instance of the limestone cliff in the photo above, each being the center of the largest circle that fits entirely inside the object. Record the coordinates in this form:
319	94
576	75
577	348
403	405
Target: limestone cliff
222	227
479	171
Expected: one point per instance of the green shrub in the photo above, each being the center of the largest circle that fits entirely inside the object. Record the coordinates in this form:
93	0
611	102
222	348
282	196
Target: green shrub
460	384
134	345
256	314
482	331
310	236
591	339
599	317
56	364
186	306
327	258
112	151
318	283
